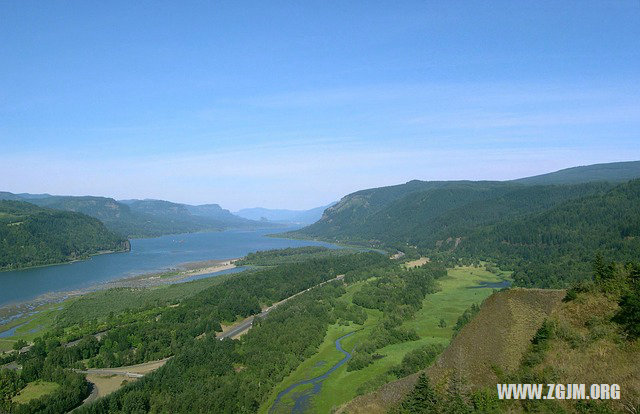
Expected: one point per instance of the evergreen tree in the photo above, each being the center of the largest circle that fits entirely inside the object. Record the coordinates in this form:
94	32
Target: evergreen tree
598	267
456	396
423	398
629	313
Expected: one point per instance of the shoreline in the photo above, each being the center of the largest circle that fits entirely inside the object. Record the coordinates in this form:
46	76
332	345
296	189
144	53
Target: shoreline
11	314
79	259
354	246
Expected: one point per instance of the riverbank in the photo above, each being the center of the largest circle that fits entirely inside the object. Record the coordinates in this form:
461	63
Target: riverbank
360	247
147	255
41	308
70	261
178	274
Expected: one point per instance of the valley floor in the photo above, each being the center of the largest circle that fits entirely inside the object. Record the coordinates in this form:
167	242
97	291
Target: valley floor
462	287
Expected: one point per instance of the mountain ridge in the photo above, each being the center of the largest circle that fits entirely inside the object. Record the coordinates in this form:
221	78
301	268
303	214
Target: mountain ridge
142	218
493	220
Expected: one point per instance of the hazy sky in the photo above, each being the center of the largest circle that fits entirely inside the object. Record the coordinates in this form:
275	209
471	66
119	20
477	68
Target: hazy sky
295	104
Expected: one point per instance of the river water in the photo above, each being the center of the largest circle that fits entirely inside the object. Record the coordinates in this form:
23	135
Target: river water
302	399
146	256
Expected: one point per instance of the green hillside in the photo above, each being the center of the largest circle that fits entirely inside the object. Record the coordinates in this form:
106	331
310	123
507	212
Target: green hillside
423	218
368	216
33	236
520	225
555	246
399	214
612	172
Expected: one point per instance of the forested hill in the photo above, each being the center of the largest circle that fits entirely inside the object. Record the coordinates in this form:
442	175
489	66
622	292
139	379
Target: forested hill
466	218
33	236
558	245
612	172
442	210
419	213
142	218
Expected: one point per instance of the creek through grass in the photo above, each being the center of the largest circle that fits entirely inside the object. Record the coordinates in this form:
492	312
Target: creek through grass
461	287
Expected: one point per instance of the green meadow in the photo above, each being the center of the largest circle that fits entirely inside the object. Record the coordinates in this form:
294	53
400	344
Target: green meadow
456	294
35	390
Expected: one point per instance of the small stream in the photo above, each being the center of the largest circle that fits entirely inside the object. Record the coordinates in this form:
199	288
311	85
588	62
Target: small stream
492	285
301	399
11	331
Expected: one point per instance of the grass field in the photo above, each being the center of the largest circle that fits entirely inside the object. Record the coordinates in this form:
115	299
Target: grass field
6	345
35	390
456	295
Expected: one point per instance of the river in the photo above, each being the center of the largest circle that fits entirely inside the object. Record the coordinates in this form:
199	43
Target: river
146	256
302	399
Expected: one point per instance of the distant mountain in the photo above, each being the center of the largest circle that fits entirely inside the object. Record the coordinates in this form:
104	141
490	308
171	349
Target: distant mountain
116	216
192	218
613	172
143	218
214	211
22	196
34	236
284	216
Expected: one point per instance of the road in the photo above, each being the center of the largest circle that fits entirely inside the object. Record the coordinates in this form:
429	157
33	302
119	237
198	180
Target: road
110	372
246	324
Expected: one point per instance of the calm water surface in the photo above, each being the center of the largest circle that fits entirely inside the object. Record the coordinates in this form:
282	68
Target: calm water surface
146	255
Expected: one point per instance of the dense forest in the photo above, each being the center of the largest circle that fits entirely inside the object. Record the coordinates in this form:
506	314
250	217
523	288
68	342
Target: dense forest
289	255
33	236
555	247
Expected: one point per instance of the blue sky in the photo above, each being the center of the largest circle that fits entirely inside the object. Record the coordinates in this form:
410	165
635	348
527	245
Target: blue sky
295	104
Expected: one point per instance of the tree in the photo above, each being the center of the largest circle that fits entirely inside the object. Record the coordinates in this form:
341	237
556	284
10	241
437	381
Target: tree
21	343
423	398
629	313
